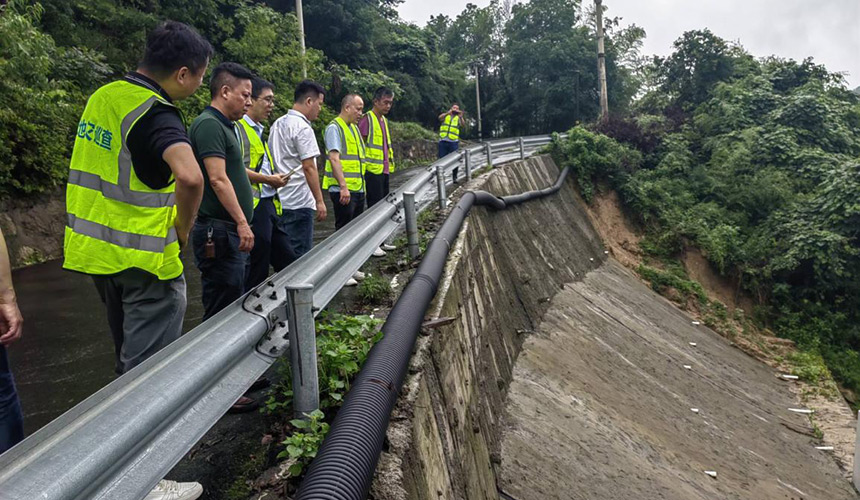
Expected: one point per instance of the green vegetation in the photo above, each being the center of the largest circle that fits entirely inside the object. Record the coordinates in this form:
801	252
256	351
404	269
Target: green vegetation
374	289
55	53
343	343
302	446
755	162
410	131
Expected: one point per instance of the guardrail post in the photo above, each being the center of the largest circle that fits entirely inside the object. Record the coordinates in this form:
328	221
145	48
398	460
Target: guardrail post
303	349
440	187
489	148
467	163
411	224
522	148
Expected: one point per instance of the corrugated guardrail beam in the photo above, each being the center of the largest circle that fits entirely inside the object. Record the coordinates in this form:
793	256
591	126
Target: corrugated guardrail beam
120	441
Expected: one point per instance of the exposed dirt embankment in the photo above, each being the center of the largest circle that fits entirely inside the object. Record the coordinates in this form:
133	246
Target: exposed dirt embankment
34	228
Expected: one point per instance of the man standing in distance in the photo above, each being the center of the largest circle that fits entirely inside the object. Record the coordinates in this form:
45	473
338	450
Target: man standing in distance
271	245
380	155
449	133
222	236
294	151
134	188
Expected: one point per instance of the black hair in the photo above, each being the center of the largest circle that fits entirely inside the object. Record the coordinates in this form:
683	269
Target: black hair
347	99
172	45
227	73
258	85
307	88
382	92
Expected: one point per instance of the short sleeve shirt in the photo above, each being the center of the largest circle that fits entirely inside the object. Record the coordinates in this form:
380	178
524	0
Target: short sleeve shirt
213	135
291	140
157	130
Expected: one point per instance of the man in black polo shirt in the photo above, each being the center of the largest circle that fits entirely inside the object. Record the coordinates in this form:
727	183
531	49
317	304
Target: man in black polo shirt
222	236
144	310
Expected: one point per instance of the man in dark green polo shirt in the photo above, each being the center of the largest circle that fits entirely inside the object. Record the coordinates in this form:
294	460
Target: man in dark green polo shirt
222	236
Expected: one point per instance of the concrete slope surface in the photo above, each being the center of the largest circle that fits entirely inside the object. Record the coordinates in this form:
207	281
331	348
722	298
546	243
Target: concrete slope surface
601	407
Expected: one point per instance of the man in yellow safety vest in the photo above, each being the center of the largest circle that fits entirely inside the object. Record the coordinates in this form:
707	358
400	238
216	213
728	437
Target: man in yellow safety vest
345	164
449	133
133	191
271	244
380	154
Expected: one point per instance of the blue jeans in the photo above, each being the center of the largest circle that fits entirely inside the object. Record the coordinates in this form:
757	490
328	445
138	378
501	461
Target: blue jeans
222	274
446	148
11	421
299	226
271	245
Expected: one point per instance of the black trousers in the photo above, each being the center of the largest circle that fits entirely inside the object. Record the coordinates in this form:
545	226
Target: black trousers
222	275
343	214
271	244
377	187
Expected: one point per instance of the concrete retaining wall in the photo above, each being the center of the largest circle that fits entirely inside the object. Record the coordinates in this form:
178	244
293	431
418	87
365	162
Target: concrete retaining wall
505	267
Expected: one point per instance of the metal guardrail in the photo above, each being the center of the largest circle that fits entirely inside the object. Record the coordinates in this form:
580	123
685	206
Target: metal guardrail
118	443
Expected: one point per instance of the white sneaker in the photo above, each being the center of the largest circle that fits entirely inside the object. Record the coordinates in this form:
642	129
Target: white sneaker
171	490
387	247
379	252
351	282
358	276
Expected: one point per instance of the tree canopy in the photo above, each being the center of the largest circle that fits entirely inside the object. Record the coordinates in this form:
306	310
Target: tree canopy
756	162
535	62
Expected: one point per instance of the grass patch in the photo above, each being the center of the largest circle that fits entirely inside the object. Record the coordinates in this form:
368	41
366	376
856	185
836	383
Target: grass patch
374	290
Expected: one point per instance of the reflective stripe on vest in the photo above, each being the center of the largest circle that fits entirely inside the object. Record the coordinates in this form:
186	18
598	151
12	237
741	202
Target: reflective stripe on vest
450	128
253	152
114	221
352	160
375	153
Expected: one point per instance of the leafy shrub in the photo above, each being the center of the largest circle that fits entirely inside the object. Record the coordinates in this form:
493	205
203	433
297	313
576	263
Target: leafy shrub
594	157
410	131
302	447
343	343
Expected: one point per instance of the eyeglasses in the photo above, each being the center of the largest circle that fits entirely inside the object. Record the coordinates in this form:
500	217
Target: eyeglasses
269	99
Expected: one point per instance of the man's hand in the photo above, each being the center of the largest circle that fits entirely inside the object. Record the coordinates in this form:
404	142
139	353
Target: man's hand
246	237
182	236
322	211
344	195
277	180
11	322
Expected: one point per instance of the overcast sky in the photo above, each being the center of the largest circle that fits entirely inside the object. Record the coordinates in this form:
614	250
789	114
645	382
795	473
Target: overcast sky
828	30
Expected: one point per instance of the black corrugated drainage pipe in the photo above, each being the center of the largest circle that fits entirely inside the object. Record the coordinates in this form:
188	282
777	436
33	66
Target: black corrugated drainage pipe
344	466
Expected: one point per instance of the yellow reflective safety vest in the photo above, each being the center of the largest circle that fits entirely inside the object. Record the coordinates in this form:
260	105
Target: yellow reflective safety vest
375	152
114	221
253	152
450	128
352	160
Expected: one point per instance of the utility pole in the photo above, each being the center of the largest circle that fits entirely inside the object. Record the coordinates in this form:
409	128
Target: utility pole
576	117
601	62
302	36
478	99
